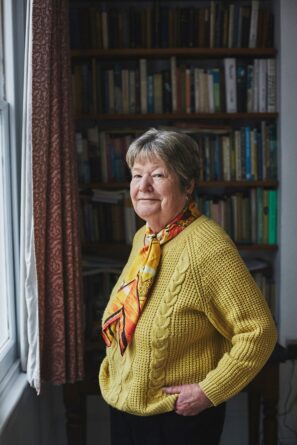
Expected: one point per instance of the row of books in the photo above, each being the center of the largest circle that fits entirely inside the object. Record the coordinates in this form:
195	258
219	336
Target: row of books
249	217
234	86
101	155
159	25
107	216
247	153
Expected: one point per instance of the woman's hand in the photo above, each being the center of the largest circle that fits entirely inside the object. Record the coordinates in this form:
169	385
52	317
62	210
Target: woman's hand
191	399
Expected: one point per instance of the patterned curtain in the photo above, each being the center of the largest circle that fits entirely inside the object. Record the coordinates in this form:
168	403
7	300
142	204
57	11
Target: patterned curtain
55	197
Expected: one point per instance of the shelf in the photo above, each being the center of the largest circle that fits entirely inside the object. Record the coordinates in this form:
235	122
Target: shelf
123	250
176	116
178	52
237	184
257	247
201	185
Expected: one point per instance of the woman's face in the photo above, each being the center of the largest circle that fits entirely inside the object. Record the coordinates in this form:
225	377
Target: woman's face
155	192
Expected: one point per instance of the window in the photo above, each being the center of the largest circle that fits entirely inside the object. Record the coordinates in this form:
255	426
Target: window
7	314
7	268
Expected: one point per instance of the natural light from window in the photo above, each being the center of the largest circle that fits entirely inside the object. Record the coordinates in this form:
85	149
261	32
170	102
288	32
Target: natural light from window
4	328
7	291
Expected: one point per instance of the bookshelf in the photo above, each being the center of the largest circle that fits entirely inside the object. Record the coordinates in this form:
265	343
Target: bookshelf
171	54
137	65
140	65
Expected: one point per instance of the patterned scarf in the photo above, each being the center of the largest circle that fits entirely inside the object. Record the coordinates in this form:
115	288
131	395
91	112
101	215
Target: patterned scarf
126	307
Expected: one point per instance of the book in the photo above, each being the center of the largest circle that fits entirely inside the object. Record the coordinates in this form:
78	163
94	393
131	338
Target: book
260	235
230	85
271	85
254	24
241	86
158	94
150	93
125	91
266	216
262	89
173	84
272	223
143	85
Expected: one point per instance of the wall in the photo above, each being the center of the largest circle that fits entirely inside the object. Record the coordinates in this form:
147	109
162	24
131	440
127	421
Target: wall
288	210
37	420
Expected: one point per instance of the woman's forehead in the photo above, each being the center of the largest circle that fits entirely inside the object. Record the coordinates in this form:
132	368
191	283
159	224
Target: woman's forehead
144	157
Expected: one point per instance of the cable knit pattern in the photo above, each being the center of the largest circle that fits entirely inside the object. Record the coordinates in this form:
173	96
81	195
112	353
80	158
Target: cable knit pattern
205	321
161	331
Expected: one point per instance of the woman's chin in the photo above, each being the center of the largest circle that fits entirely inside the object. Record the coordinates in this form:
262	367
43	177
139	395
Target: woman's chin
147	211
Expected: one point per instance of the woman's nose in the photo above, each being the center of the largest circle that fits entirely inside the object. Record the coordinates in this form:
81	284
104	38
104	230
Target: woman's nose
145	183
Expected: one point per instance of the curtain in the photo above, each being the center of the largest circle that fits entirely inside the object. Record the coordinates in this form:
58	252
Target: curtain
51	254
29	329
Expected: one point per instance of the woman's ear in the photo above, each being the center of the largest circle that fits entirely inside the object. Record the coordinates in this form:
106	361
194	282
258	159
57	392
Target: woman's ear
190	187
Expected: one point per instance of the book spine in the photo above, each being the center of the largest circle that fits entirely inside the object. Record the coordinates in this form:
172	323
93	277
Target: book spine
132	92
150	93
266	215
226	158
255	86
210	84
118	99
196	89
272	223
253	198
111	91
143	85
188	90
230	85
105	30
238	162
254	24
167	94
231	25
262	85
173	83
216	89
248	164
125	90
259	215
158	97
271	85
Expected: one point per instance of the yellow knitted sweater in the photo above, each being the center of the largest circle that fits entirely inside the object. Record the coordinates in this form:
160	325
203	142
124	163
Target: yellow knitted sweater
205	321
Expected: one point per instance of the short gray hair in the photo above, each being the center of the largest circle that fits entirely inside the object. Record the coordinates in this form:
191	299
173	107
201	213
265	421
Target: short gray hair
178	150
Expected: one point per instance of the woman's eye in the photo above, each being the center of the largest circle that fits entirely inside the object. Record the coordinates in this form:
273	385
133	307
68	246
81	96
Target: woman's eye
136	176
158	175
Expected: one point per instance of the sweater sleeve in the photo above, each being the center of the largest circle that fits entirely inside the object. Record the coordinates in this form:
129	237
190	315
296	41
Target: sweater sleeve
237	309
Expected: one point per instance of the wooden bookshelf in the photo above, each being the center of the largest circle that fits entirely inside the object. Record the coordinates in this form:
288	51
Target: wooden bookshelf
92	64
153	53
201	185
177	116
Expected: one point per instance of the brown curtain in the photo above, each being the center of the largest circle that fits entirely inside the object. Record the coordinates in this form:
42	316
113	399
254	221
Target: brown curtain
55	197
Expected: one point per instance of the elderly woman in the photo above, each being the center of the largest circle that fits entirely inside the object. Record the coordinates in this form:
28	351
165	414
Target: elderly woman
186	327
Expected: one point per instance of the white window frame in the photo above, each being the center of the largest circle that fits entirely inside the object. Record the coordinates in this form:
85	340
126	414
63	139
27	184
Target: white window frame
8	350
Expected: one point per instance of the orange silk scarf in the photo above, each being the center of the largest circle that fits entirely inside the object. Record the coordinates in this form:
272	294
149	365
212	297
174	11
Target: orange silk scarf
125	309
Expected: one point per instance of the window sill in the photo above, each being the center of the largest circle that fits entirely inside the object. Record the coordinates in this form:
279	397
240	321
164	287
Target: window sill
11	390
